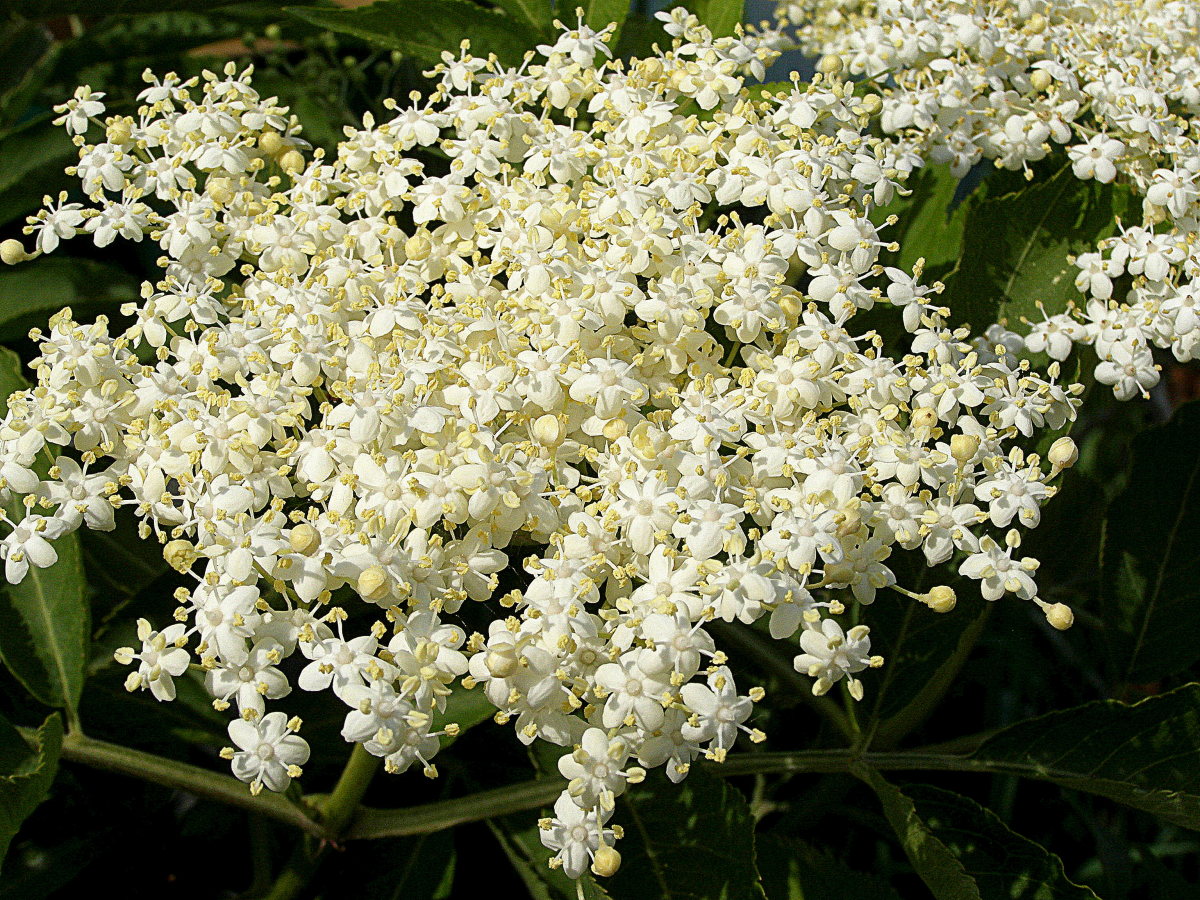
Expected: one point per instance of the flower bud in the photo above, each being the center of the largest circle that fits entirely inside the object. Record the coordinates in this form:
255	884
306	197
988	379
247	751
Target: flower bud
12	252
940	599
1063	454
1041	79
373	583
180	555
829	64
547	430
292	162
501	665
607	862
924	417
1059	615
304	539
417	247
963	448
870	104
270	143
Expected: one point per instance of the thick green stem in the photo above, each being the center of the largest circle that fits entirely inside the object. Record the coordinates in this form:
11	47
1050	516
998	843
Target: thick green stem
193	779
338	810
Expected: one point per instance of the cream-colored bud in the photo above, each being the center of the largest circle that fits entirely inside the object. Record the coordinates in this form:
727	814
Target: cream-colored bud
547	431
292	161
417	247
940	599
270	143
1041	79
607	862
12	252
924	417
963	448
304	539
220	189
1063	454
373	583
870	104
501	665
829	64
1037	24
180	555
1060	616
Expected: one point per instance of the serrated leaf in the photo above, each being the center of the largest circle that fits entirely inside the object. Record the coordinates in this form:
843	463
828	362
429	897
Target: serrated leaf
44	620
687	841
423	29
24	784
32	292
721	16
939	868
1016	245
1003	864
1151	568
1145	755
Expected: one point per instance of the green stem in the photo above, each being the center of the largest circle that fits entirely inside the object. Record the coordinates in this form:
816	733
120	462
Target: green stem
182	776
337	809
752	642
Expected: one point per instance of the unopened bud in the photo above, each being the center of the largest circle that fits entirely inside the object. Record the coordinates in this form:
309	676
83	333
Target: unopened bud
547	431
829	64
292	161
963	448
417	247
373	583
1063	454
119	131
304	539
180	555
1036	24
924	417
12	252
500	665
870	104
607	862
270	143
1059	615
940	599
1041	79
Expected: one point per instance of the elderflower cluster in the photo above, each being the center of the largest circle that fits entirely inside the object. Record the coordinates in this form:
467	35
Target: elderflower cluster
1115	82
585	326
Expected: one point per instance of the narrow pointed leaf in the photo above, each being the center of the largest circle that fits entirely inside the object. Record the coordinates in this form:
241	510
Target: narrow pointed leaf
25	774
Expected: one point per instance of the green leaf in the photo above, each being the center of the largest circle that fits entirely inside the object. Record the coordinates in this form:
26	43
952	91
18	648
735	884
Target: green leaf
719	15
929	226
53	9
687	841
44	620
539	14
32	292
423	29
1145	755
24	784
794	870
519	840
924	652
416	868
32	160
1015	248
598	13
937	865
1151	568
1003	864
466	708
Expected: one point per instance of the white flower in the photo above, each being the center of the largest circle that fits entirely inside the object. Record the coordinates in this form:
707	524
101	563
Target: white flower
269	753
161	660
